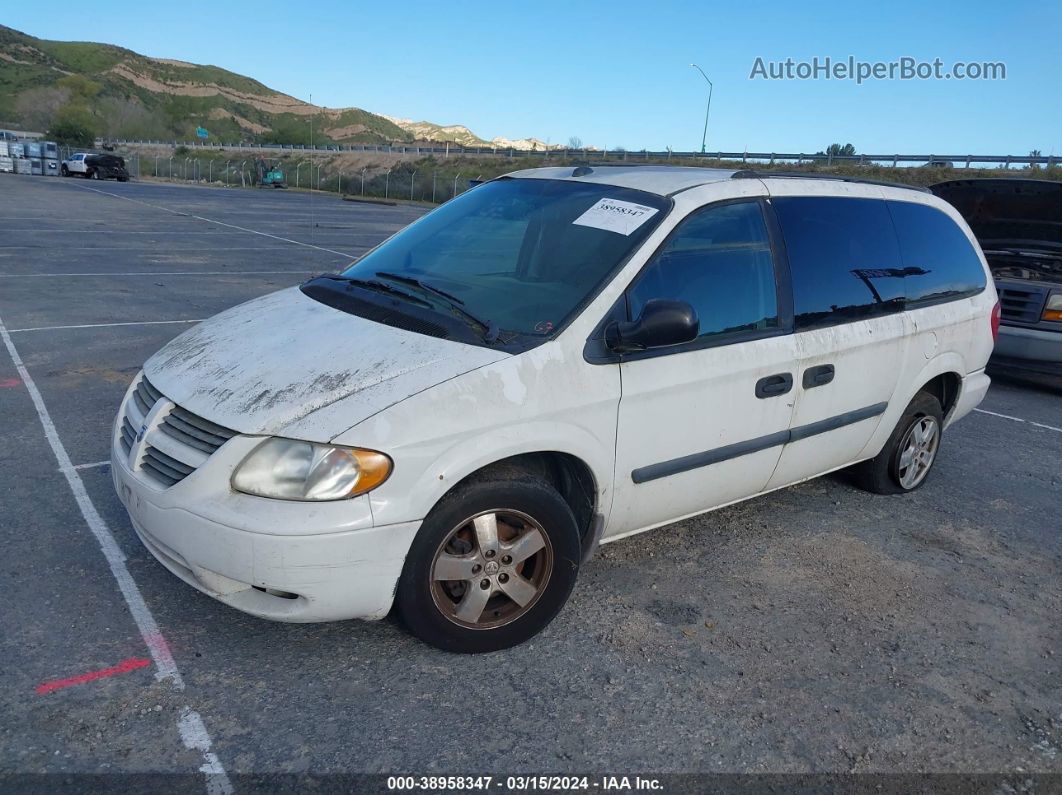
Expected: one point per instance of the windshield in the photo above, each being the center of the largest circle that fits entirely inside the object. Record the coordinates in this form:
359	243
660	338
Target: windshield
516	255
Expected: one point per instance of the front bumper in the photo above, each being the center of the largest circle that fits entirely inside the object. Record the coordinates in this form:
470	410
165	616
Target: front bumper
276	559
1032	349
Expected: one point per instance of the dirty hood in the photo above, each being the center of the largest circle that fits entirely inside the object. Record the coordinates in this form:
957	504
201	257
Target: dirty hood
287	365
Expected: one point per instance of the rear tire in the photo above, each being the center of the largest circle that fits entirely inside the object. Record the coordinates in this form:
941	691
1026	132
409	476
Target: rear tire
94	174
907	458
512	548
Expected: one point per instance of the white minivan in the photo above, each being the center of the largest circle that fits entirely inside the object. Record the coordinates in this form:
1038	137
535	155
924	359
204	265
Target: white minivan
558	358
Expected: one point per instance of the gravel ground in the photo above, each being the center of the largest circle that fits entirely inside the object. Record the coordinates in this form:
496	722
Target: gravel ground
817	630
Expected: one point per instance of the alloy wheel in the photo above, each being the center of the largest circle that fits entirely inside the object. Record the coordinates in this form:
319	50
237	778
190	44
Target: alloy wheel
491	569
918	451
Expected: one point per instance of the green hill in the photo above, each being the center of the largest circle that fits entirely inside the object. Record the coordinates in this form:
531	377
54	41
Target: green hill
80	89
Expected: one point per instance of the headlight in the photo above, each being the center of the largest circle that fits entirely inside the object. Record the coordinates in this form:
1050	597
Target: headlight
1053	308
286	469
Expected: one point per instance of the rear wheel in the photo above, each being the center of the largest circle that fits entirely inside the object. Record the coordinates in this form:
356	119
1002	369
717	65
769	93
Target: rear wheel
94	174
908	456
491	566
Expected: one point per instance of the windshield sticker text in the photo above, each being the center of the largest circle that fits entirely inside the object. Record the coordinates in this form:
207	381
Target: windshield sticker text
614	215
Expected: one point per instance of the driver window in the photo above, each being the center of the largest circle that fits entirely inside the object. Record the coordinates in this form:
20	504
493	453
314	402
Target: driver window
719	261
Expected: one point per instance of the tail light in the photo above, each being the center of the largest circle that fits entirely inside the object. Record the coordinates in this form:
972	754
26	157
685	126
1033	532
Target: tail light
995	322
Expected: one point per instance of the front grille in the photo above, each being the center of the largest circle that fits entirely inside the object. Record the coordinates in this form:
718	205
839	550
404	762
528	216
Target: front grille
177	445
128	435
164	468
1021	304
187	428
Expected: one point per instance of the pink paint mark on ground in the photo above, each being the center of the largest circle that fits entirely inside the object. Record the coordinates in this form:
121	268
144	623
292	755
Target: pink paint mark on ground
9	383
123	667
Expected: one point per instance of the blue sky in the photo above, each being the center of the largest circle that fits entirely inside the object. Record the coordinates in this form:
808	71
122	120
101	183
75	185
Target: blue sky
617	73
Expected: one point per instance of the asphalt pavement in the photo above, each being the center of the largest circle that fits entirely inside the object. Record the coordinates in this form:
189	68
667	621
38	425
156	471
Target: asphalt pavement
818	629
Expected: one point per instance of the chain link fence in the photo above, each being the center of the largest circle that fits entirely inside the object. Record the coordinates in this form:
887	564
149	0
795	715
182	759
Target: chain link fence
403	182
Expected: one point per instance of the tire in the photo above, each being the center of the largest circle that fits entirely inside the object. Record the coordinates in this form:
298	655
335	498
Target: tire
94	174
64	171
917	435
528	514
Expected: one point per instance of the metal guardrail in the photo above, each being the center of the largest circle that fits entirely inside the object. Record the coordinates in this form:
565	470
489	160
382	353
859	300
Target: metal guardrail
965	160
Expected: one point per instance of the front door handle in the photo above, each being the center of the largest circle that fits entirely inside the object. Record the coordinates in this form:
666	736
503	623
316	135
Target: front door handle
774	385
818	376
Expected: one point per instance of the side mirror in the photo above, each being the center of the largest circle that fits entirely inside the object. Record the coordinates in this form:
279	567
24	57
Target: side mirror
661	323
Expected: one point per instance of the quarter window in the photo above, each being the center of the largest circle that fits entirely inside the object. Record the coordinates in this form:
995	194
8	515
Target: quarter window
719	260
940	261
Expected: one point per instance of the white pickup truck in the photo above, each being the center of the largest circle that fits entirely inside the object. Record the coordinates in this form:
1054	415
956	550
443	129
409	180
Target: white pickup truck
75	164
93	166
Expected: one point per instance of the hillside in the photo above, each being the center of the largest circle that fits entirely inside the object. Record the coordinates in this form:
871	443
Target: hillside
461	135
82	88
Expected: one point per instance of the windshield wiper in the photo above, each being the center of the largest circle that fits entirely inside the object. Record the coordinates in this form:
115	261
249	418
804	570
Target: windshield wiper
379	287
491	330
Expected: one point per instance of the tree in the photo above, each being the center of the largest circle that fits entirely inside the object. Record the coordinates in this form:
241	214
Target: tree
79	86
73	126
837	149
36	109
575	142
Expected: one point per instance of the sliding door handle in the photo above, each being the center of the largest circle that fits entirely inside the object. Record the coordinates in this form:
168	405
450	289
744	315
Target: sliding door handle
818	376
774	385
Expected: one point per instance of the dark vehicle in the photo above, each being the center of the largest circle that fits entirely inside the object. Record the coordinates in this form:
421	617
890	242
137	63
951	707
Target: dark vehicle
1018	223
106	167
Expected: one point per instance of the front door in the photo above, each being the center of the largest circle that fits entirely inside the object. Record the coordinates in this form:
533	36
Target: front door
703	423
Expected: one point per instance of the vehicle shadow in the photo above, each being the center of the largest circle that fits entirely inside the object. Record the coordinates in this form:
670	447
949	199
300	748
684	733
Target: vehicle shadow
1047	384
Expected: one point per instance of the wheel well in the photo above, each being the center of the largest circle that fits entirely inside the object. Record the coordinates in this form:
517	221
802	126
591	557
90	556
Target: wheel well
569	475
945	388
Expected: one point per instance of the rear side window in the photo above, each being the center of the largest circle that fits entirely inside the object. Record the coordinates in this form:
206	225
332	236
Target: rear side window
844	258
719	261
941	264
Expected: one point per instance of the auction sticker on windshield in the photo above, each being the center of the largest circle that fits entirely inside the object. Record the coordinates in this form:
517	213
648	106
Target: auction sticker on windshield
614	215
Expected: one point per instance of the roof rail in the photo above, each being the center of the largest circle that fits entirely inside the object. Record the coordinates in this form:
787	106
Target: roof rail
750	173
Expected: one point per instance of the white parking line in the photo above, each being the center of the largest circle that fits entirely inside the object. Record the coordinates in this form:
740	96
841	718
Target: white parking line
93	465
190	727
219	223
103	325
1019	419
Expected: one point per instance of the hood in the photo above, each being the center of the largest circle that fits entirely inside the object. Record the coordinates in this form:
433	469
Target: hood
1017	214
285	364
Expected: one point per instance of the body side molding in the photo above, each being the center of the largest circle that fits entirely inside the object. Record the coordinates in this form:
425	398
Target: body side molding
684	464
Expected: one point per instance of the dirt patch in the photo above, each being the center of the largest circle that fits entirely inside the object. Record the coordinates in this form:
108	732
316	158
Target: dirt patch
339	133
247	124
276	103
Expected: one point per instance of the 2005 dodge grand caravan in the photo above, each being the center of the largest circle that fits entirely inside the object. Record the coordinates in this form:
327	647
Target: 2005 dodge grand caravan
556	359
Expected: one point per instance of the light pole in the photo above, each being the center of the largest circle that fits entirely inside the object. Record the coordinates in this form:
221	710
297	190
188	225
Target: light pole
704	135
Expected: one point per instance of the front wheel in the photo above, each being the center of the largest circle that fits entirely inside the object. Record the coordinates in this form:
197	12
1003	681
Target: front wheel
94	174
64	171
492	565
904	463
